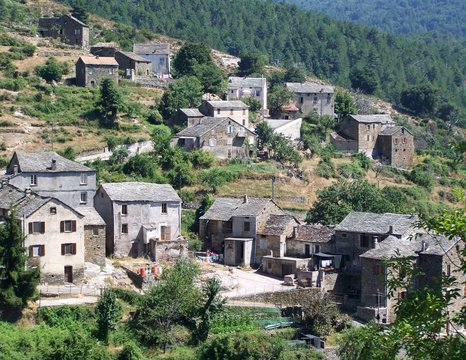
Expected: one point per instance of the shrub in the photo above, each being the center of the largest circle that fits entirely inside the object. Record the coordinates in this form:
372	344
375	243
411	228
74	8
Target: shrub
325	168
129	296
351	171
422	178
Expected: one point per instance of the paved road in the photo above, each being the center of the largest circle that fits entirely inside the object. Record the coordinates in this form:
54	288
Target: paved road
67	301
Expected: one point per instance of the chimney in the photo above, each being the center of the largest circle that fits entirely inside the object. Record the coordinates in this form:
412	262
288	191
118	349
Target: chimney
390	229
245	199
54	165
376	243
27	191
423	246
15	169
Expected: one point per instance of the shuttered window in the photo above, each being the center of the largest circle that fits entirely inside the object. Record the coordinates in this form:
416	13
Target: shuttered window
36	227
165	233
36	250
68	226
68	249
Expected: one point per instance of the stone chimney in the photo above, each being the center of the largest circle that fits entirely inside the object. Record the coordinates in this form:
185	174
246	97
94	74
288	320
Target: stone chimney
423	246
27	191
54	165
15	169
390	229
376	243
245	199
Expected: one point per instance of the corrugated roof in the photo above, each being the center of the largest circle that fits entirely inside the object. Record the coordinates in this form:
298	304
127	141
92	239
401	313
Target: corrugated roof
91	216
238	82
224	208
238	104
374	118
314	233
309	87
98	60
139	191
42	161
133	56
277	224
371	223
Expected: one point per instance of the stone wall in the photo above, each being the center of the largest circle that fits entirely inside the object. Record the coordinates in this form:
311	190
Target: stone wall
94	245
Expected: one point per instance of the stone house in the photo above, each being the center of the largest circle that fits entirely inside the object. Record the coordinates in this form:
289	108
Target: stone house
395	146
236	110
313	98
185	117
52	175
232	227
133	64
104	49
433	255
67	28
287	112
224	137
94	236
91	70
158	55
142	219
290	129
241	88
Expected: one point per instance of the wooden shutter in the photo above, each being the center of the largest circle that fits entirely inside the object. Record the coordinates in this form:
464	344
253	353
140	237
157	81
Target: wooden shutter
73	249
42	250
167	233
73	225
30	228
63	248
62	227
42	227
162	232
31	253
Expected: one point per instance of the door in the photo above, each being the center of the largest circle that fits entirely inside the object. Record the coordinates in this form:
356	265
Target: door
69	274
307	250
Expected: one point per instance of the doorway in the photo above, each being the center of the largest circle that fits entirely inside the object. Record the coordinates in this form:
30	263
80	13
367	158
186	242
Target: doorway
69	274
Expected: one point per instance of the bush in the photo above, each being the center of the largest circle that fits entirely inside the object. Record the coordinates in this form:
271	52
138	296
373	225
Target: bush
325	168
13	84
131	351
422	178
53	70
129	296
351	171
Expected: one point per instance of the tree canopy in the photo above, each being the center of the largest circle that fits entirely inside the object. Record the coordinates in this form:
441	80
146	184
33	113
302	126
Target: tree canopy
185	92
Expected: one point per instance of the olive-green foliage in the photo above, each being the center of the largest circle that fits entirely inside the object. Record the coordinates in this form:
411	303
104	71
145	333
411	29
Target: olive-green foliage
189	56
253	103
108	313
252	63
129	296
186	92
63	316
351	171
110	100
131	351
52	70
325	168
344	104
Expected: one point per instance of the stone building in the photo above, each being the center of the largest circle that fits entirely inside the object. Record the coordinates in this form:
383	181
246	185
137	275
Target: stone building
232	226
91	70
67	28
52	175
395	146
158	55
141	219
104	49
132	63
185	117
224	137
241	88
94	236
236	110
313	98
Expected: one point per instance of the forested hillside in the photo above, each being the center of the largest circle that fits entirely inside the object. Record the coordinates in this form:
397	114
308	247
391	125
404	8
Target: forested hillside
327	48
445	17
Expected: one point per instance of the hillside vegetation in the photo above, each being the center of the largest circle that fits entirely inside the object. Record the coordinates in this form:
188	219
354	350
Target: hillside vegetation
327	48
406	17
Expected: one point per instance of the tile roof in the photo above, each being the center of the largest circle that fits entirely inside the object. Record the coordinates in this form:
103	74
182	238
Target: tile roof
191	112
224	208
139	191
228	104
42	161
309	87
277	224
134	57
149	49
234	81
314	233
371	223
374	118
98	60
91	216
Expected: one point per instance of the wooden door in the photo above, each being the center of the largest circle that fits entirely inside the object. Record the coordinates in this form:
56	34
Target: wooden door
69	274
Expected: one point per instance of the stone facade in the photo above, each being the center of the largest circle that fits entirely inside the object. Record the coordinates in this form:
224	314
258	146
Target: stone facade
67	28
90	71
396	147
281	266
236	110
313	98
242	88
158	55
94	244
137	64
104	49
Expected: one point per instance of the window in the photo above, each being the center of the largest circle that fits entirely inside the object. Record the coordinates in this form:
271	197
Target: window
244	122
364	241
247	226
231	111
378	269
315	99
124	228
263	243
77	32
269	265
395	141
229	141
373	126
230	129
95	231
218	111
68	226
37	227
329	97
401	295
36	250
68	249
316	248
110	71
343	235
404	140
165	232
53	210
91	72
212	142
83	179
244	111
162	61
164	208
227	227
83	198
124	209
368	127
301	100
33	180
368	137
448	270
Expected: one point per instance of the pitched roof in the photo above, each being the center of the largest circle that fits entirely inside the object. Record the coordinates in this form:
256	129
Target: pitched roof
392	130
234	81
371	223
277	224
206	124
191	112
133	56
224	208
228	104
42	162
277	123
155	49
98	60
290	107
436	244
309	87
77	20
314	233
139	191
374	118
110	44
91	216
9	195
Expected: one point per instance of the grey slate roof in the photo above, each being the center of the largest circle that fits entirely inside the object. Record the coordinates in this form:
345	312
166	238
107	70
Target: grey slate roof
206	124
134	57
91	216
392	130
139	191
436	244
238	82
314	233
277	224
234	104
374	118
192	112
309	87
370	223
276	123
225	208
9	195
41	162
77	20
151	49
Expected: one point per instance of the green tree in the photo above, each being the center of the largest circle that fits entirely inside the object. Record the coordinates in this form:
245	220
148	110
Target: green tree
68	153
110	100
344	104
185	92
17	284
253	103
277	97
295	74
161	136
79	10
189	57
108	312
264	135
52	70
251	63
364	79
211	77
214	178
421	99
142	165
